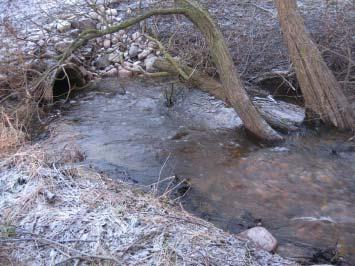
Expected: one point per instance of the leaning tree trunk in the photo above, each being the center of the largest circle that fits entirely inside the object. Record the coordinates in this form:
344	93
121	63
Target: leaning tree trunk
323	95
229	77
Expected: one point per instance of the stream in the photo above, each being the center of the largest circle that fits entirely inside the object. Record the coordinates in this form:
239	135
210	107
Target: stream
302	191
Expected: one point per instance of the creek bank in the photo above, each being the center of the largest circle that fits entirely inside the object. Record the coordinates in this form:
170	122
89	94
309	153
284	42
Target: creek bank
56	212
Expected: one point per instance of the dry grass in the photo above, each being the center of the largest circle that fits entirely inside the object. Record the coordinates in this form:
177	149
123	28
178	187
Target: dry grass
65	214
11	135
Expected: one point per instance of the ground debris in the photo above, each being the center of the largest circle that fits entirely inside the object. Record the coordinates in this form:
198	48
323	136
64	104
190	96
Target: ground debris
95	219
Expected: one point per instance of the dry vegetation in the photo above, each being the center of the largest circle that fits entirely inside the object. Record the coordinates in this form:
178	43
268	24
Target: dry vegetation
55	213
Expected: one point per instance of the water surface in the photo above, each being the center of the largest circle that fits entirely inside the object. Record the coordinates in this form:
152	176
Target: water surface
302	191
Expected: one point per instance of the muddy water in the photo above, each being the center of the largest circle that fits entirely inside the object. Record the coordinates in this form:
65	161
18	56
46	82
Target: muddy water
302	191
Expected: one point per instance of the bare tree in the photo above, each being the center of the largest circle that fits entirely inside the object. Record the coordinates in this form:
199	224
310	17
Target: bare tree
230	80
323	94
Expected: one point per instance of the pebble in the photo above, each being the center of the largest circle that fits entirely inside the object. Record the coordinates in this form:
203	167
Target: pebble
261	237
133	50
124	73
111	12
63	26
149	63
144	54
107	43
111	73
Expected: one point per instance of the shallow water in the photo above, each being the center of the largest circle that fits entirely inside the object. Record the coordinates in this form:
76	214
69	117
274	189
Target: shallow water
302	191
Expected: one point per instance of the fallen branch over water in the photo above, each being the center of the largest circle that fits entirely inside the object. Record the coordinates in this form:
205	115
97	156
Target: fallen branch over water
281	115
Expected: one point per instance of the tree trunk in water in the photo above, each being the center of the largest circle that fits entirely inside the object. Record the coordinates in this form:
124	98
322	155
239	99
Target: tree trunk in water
323	94
232	85
271	111
228	75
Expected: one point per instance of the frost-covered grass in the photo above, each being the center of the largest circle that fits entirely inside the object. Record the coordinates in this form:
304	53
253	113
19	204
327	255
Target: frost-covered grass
61	214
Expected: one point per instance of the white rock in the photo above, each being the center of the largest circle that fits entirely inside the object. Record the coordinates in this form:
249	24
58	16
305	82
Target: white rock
144	54
118	19
63	26
149	63
111	12
152	45
261	237
136	35
114	40
137	63
107	43
121	33
3	77
101	9
94	15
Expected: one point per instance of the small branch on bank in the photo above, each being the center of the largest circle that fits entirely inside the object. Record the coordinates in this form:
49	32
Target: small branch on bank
169	58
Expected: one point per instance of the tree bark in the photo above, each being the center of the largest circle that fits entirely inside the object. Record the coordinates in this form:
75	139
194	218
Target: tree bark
280	115
232	85
229	77
323	94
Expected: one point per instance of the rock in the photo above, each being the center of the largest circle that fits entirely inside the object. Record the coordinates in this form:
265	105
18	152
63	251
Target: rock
144	54
49	196
149	63
107	43
124	73
74	33
117	19
261	237
94	15
133	50
115	57
127	64
102	62
101	9
111	12
63	26
3	77
61	46
121	33
114	40
101	19
83	23
152	45
111	73
136	35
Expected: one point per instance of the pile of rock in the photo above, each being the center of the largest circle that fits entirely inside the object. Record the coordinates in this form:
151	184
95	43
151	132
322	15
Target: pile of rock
122	53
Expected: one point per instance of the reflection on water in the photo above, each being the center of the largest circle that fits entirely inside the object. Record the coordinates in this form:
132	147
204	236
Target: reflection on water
302	191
